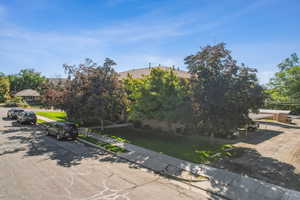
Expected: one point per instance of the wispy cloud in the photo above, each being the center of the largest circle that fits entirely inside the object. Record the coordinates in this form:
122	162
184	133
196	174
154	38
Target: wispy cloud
2	12
132	42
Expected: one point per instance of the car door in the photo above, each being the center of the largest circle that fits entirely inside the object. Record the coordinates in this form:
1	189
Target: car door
51	129
19	117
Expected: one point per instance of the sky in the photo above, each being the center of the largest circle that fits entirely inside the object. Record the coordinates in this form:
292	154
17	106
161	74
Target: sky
45	34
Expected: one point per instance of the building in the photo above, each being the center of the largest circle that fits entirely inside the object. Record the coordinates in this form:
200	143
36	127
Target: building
29	95
139	73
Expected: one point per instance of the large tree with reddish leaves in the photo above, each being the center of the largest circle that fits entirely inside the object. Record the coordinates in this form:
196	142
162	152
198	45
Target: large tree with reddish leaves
223	92
93	93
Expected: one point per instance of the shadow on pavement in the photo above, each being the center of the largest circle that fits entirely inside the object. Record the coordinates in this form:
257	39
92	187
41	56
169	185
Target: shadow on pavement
65	153
245	161
249	162
259	136
281	125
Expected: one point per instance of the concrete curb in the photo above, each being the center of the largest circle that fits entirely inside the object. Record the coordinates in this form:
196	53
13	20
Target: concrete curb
95	146
220	182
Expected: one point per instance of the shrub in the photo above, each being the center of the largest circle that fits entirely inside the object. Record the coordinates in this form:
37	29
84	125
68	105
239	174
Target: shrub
16	102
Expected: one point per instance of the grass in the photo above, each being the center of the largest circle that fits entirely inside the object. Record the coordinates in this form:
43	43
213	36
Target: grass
194	149
57	116
107	146
39	121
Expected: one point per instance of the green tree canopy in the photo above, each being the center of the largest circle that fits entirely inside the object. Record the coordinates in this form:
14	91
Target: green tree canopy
222	91
284	88
4	87
160	95
26	79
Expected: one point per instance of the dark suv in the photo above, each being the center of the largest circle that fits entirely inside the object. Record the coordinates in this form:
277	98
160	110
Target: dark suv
62	130
26	118
13	113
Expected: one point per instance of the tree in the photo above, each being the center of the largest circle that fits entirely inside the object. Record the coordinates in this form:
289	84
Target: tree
93	93
222	91
290	62
161	96
4	87
26	79
53	95
284	88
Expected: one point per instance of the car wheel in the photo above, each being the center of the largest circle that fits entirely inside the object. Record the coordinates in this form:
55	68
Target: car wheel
59	136
73	137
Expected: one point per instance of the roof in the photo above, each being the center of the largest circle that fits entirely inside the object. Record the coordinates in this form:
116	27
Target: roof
57	81
139	73
27	93
16	109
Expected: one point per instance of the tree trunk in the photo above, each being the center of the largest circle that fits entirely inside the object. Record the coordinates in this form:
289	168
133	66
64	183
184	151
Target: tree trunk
102	128
211	138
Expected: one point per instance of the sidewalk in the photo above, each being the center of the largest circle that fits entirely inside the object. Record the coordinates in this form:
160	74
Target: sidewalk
45	118
218	181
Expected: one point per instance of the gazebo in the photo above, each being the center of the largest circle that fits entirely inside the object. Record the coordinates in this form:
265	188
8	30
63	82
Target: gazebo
29	95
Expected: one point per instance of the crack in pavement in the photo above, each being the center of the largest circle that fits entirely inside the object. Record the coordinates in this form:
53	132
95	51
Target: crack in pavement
109	194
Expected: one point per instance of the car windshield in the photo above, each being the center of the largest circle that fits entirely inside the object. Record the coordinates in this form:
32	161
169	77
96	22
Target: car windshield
30	114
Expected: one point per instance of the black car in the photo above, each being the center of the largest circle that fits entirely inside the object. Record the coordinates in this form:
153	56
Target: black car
62	130
14	112
26	118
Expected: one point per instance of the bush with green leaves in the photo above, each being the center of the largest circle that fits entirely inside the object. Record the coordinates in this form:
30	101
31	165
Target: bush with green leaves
16	102
160	96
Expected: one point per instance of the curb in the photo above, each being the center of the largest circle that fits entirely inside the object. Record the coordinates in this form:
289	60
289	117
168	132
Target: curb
236	186
181	180
95	146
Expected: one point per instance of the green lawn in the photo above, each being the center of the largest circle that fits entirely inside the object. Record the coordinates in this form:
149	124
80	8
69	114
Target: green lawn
107	146
194	149
58	116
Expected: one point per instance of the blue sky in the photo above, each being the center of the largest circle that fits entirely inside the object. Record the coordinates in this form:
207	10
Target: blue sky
44	34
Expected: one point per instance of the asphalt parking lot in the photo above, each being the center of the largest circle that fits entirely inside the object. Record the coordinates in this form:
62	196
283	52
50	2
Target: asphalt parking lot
35	166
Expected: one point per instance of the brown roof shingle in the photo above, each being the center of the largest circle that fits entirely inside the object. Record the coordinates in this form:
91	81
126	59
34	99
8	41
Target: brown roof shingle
139	73
28	93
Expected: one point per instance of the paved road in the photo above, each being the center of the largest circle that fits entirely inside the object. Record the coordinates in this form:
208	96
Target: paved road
37	167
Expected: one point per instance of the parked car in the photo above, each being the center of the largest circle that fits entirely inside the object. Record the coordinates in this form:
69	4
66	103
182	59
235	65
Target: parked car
26	118
12	113
62	130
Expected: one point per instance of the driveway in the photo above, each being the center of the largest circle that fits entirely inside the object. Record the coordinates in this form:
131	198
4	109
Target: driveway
34	166
271	154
